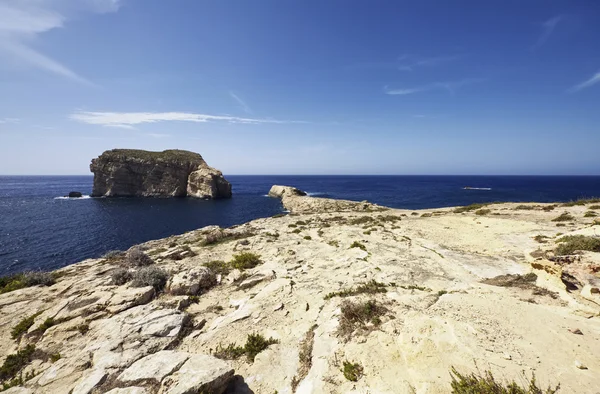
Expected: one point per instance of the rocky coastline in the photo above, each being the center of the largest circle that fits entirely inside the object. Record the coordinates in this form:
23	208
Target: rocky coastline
171	173
334	297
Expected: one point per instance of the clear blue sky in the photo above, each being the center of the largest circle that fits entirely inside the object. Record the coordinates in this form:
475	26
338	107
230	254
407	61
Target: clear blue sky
304	87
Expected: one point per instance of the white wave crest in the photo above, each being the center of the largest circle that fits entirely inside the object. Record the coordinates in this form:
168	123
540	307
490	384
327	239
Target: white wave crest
84	197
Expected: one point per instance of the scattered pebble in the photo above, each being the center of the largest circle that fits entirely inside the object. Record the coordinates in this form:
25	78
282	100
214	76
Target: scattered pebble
579	365
576	331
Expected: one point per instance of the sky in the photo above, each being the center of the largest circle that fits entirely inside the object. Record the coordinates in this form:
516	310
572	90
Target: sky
304	87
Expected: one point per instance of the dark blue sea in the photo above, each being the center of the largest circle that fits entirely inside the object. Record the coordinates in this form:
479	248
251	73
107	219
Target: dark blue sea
40	231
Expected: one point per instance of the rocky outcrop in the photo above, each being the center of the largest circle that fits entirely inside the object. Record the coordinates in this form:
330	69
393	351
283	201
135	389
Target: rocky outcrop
297	201
171	173
406	295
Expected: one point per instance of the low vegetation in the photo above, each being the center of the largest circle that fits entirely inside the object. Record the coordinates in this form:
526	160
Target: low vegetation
541	239
352	371
120	276
525	282
549	208
136	257
255	343
358	315
307	237
594	207
25	279
590	214
570	244
357	244
245	261
581	201
362	220
150	276
427	215
304	357
482	212
15	362
220	236
46	324
468	208
486	384
564	217
218	267
23	326
372	287
526	207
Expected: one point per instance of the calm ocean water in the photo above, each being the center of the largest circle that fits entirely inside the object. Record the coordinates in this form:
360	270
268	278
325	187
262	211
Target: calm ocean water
40	231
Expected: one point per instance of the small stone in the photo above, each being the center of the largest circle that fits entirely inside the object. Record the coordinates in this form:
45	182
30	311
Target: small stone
278	307
579	365
576	331
506	356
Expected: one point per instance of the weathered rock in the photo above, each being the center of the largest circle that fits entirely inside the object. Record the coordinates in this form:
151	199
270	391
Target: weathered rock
75	195
130	172
155	366
199	374
192	281
278	191
208	182
89	381
129	390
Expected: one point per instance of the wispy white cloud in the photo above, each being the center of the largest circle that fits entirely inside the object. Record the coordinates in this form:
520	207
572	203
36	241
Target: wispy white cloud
159	135
411	62
586	84
548	28
23	21
9	120
128	119
449	86
241	102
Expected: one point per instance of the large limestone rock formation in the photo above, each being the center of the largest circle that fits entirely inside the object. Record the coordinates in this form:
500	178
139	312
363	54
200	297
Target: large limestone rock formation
171	173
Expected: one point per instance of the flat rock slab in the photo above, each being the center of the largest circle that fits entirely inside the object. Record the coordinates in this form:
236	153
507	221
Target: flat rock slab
155	366
91	379
129	390
200	373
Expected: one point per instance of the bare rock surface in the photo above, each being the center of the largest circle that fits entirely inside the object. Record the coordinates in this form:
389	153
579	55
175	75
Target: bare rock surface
171	173
484	291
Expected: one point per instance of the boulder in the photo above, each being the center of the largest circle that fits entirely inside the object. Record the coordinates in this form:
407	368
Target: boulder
139	173
192	281
278	191
199	374
75	195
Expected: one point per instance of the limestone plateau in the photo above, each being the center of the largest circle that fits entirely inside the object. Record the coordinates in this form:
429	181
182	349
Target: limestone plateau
171	173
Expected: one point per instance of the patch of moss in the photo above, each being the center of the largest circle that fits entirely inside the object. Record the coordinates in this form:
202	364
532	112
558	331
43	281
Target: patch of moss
357	244
564	217
23	326
352	371
15	362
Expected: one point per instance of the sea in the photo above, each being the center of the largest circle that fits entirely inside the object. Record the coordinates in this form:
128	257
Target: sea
40	229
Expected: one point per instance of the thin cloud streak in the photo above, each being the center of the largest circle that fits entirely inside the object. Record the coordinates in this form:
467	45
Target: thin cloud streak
548	28
241	102
23	21
586	84
128	119
410	62
449	86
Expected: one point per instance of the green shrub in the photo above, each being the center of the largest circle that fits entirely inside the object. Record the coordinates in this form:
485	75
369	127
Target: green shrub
582	201
352	371
526	207
296	231
481	212
486	384
357	244
23	326
594	207
83	328
427	215
221	236
255	343
307	237
590	214
361	220
15	362
137	258
46	324
564	217
572	243
218	267
150	276
55	357
549	208
541	239
245	261
120	276
25	279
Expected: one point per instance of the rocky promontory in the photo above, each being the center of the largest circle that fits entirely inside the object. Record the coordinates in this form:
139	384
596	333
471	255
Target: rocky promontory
171	173
354	299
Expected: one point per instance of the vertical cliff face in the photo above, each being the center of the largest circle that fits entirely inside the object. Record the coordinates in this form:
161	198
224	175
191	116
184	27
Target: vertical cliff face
171	173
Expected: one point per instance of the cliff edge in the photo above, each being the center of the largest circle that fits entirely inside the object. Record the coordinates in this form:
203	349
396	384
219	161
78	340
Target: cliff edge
171	173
